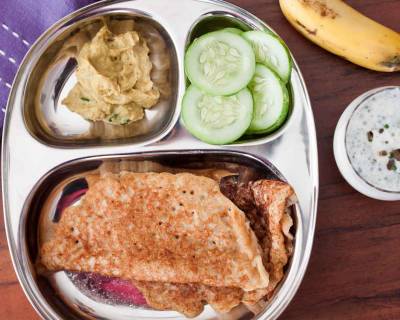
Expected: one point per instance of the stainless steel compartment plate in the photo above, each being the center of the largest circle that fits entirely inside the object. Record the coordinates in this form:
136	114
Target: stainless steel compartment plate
25	160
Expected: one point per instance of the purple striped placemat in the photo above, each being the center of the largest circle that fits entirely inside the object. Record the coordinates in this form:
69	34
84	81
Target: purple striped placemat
21	23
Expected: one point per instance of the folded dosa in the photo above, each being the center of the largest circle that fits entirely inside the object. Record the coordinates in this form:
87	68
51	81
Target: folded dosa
265	204
158	227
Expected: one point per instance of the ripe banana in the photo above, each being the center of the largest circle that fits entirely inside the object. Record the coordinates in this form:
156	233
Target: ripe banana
340	29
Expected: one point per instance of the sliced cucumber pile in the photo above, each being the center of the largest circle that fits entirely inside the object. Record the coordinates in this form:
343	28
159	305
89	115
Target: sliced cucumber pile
271	52
271	101
217	119
238	85
220	63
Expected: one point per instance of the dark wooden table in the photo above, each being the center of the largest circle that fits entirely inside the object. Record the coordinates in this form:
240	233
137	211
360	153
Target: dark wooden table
354	272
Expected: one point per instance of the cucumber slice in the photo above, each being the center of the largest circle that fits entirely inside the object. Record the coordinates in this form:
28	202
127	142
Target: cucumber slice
271	52
234	30
217	119
220	63
271	101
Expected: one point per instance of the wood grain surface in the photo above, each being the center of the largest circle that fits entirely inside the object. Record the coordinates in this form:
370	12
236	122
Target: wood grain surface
354	271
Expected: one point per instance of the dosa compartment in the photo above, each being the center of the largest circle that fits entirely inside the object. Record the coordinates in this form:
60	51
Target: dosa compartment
74	295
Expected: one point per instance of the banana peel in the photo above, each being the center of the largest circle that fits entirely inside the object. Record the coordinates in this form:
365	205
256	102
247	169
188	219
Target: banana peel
342	30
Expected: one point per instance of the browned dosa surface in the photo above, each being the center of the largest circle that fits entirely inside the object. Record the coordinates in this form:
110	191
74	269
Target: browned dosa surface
165	213
264	203
158	227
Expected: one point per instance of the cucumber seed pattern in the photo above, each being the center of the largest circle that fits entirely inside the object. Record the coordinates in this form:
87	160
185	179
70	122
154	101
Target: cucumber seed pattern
219	60
259	86
264	54
218	112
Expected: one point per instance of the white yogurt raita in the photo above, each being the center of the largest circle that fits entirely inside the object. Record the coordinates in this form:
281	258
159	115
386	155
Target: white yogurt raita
373	140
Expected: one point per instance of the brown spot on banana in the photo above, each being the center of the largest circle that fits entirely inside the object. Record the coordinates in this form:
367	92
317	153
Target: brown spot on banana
321	8
313	32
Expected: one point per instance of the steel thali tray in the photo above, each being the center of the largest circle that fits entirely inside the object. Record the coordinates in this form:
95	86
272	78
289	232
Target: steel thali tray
35	157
